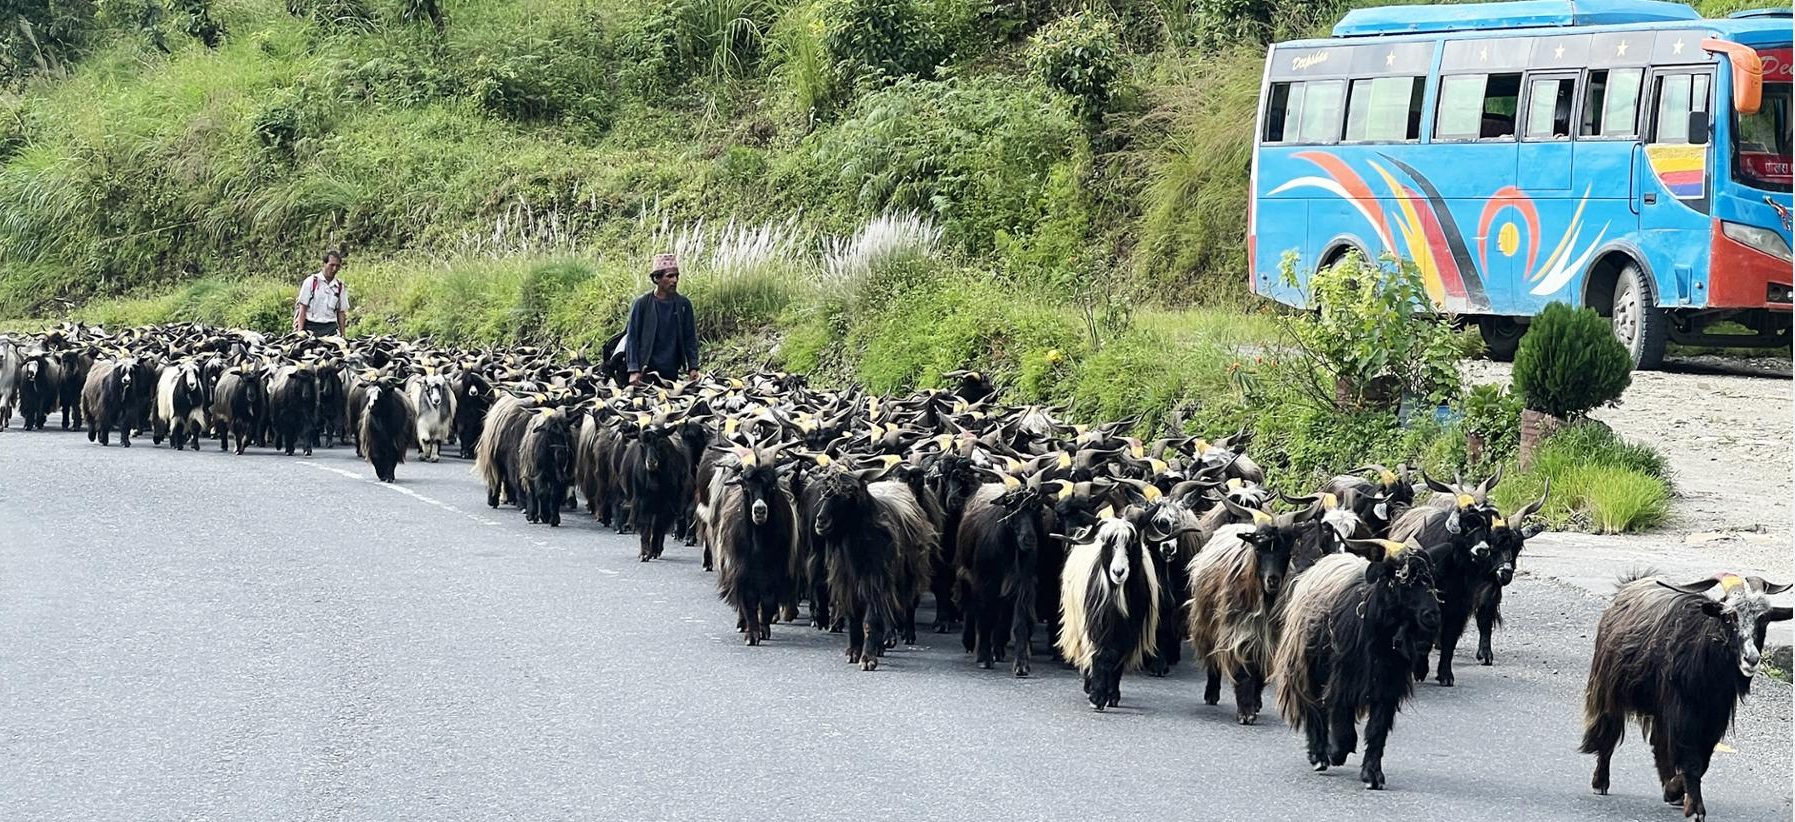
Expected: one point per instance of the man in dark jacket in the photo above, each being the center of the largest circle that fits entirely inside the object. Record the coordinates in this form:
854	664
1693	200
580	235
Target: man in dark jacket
662	334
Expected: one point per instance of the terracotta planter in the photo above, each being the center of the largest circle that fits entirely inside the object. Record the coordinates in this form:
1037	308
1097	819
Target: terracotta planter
1536	426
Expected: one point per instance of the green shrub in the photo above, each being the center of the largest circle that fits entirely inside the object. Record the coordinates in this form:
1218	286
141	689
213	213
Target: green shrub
1569	362
1081	55
1620	500
1493	413
872	42
977	156
1370	334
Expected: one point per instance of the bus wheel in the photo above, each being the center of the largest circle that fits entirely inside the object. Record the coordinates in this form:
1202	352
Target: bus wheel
1501	336
1641	326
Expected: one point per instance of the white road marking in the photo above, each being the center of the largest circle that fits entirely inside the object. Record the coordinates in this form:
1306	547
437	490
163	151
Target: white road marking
401	490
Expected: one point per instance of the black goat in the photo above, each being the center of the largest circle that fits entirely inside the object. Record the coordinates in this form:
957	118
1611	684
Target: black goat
73	367
333	407
755	528
545	465
473	396
1351	626
386	427
873	543
40	388
1458	541
656	482
293	409
1009	567
1678	660
238	405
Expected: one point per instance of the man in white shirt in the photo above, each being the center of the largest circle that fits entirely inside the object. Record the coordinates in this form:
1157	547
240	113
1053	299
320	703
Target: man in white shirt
323	305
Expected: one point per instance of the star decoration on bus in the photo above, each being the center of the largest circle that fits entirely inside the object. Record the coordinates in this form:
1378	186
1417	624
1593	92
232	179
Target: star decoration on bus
1484	54
1558	52
1677	47
1390	59
1621	50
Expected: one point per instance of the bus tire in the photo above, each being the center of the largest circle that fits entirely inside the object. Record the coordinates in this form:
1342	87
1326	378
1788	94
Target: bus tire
1640	325
1501	336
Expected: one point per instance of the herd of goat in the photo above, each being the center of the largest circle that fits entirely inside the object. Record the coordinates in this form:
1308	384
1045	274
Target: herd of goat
856	505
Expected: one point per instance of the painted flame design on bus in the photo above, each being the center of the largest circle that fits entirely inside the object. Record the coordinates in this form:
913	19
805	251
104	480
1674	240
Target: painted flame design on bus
1416	225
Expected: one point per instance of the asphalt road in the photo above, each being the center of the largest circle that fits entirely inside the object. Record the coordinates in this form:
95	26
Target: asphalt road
202	636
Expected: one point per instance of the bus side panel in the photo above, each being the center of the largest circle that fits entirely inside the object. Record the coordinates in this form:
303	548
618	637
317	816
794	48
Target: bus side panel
1281	225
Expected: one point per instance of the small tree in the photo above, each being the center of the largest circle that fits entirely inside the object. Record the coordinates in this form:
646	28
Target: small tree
1570	363
1081	55
1374	332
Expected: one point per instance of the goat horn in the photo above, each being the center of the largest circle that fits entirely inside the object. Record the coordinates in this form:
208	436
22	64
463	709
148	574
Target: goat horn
1691	587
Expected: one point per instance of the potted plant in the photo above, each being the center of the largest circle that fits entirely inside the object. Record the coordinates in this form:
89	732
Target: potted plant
1567	365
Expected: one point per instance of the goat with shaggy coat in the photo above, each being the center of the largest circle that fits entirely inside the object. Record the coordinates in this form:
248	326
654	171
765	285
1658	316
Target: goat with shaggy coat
755	531
545	465
180	412
473	396
434	401
872	544
1458	541
73	366
11	361
293	408
386	427
1350	628
1235	582
656	484
107	398
238	405
1109	609
40	385
496	458
1678	660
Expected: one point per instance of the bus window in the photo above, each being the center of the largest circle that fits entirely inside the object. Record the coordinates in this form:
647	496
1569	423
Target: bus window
1321	111
1611	102
1678	95
1286	101
1384	109
1549	108
1478	106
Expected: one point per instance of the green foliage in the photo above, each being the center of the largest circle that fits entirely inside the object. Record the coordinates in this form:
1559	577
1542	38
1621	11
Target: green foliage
1493	413
1599	481
1195	153
335	16
976	155
1080	55
553	79
873	42
43	37
1369	333
1569	362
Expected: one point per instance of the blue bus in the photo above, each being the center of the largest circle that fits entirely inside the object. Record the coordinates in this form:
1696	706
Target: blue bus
1625	155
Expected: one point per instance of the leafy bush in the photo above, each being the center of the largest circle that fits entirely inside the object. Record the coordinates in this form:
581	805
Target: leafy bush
974	155
1494	414
872	42
1369	334
542	80
1080	55
1569	362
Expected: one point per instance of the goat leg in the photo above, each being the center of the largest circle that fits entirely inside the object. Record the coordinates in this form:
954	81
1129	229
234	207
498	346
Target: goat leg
1377	730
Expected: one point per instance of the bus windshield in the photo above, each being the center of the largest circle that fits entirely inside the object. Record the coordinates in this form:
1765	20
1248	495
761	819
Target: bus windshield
1761	142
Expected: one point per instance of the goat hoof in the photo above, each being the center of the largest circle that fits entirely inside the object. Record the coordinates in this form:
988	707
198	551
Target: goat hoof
1248	719
1020	669
1320	767
1446	680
